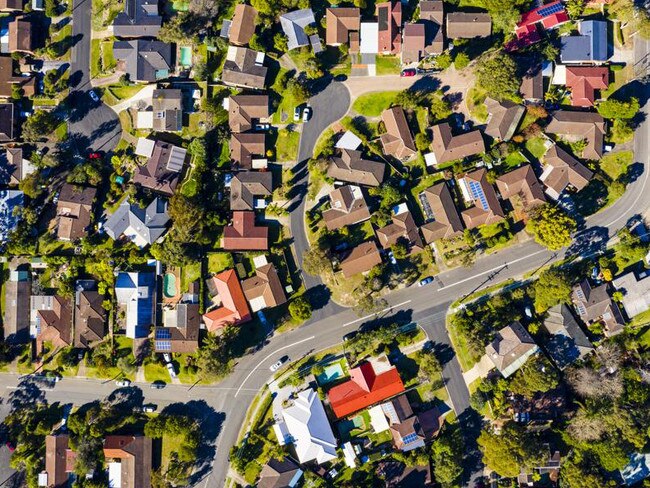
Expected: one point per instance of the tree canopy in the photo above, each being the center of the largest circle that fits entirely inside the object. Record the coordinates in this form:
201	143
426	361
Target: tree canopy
511	451
551	288
618	109
551	226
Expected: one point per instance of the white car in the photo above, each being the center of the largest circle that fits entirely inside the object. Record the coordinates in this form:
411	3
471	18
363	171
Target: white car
275	366
306	115
93	96
296	114
123	383
262	127
149	408
172	371
167	357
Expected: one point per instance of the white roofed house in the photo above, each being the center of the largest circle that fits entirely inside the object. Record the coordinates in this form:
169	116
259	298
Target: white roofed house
136	292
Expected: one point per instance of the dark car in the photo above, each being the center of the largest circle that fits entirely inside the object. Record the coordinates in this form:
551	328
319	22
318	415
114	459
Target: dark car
425	281
158	385
409	72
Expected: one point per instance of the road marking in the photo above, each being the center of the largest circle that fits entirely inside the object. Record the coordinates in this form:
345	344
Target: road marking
267	357
375	314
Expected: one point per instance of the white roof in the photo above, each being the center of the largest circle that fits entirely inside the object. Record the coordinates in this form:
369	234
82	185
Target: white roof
309	428
559	75
144	147
349	140
114	475
260	261
430	159
349	455
280	429
369	38
257	304
144	120
378	419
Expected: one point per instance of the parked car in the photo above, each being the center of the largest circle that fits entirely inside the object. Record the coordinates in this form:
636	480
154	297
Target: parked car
94	155
262	127
167	357
158	385
306	115
10	446
123	383
172	371
408	72
425	281
297	113
391	258
349	336
275	366
93	96
149	408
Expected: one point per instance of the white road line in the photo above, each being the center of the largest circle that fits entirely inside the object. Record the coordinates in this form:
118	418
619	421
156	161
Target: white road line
375	314
267	357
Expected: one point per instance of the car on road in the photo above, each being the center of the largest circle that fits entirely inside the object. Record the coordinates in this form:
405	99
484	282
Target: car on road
123	383
408	72
306	115
262	127
172	371
297	113
93	96
425	281
349	336
151	408
167	357
158	385
275	366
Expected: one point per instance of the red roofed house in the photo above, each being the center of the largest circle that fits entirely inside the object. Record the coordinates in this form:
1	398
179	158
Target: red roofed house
583	81
549	16
244	235
234	309
389	18
365	388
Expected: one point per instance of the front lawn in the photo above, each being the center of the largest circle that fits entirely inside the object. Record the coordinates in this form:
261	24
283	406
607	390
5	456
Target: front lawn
615	165
373	104
154	371
388	65
102	60
114	94
536	147
286	145
476	106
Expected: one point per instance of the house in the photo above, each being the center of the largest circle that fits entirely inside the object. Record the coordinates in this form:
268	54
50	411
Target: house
362	259
21	37
443	220
389	20
7	80
136	293
341	24
11	5
396	474
404	426
595	305
243	24
140	18
89	315
432	15
532	85
163	169
180	331
466	25
245	110
246	185
548	474
59	461
636	292
144	61
397	141
233	309
367	42
244	68
244	235
590	46
247	150
447	147
413	42
511	348
13	167
167	110
52	320
10	200
304	424
280	474
128	458
637	469
352	168
142	226
349	140
264	290
16	313
562	170
401	229
583	81
347	207
74	211
521	187
369	383
293	24
7	121
544	17
566	342
503	118
576	126
487	209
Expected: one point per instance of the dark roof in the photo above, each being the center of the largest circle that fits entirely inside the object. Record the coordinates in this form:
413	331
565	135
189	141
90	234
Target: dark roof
243	148
486	209
8	78
532	84
74	211
504	118
523	183
448	147
167	105
139	19
580	125
441	213
245	185
20	34
351	167
243	109
595	304
244	67
347	206
279	474
567	342
89	318
163	170
397	141
340	22
135	454
402	227
6	122
562	169
589	46
265	286
16	313
144	60
181	331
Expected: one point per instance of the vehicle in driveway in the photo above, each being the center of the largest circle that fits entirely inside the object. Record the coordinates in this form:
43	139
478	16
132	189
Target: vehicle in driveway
306	115
93	96
167	357
94	155
297	113
391	258
158	385
172	371
123	383
10	445
425	281
262	127
408	72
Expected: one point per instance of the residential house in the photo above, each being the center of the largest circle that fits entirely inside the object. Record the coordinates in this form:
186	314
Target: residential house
305	425
129	460
595	305
562	170
401	229
503	118
487	209
413	42
397	141
362	259
576	126
245	186
397	474
590	46
636	470
548	474
448	147
140	18
8	79
264	290
566	342
389	20
144	61
280	474
636	292
243	25
21	36
233	309
180	331
511	348
10	200
521	187
11	5
245	110
293	24
443	220
352	168
369	383
404	426
163	170
247	150
142	226
167	110
544	17
244	235
244	68
136	293
432	15
532	85
74	211
13	167
52	321
59	461
347	207
583	81
349	140
89	315
468	25
16	312
7	121
341	25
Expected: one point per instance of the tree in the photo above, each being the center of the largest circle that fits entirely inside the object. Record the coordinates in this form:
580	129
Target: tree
551	226
429	366
367	304
620	131
536	375
633	17
511	451
461	61
447	457
577	474
575	8
280	42
443	61
400	249
618	109
39	125
422	141
315	261
587	383
497	74
504	13
439	107
300	309
551	288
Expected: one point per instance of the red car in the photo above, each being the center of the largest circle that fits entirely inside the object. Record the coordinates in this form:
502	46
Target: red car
94	156
408	72
10	446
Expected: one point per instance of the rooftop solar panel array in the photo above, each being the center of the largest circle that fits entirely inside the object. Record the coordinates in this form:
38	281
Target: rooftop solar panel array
478	194
551	9
410	438
163	333
163	345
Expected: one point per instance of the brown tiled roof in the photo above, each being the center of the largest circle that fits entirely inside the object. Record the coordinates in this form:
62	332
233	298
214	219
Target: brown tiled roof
362	258
89	318
244	109
594	304
389	15
56	454
432	16
244	235
347	206
11	5
447	147
477	215
447	222
413	42
20	34
243	24
277	474
56	324
265	285
522	182
432	10
562	169
135	455
397	141
583	81
511	344
340	22
184	333
532	84
402	227
241	68
351	167
74	211
7	78
467	25
243	147
163	169
580	125
504	118
245	185
13	166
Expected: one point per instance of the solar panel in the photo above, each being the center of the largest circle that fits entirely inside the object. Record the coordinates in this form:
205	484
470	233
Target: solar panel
163	345
163	333
410	438
551	9
478	194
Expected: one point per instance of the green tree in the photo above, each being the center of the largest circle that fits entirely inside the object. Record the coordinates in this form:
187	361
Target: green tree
447	457
511	451
439	107
400	249
280	42
551	226
422	141
551	288
315	261
497	74
443	61
618	109
620	131
461	61
39	126
536	375
575	8
300	308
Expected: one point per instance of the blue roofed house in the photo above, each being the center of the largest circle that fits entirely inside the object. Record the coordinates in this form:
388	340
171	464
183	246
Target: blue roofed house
293	25
637	469
136	292
142	226
588	47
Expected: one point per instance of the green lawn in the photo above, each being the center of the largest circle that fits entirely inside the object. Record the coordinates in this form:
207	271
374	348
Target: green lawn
515	159
95	58
156	372
219	261
536	147
190	273
63	36
460	347
644	337
114	94
615	164
102	60
475	104
373	104
640	320
286	145
388	65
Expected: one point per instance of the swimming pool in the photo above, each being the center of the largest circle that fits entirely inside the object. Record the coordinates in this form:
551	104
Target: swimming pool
185	57
169	285
331	373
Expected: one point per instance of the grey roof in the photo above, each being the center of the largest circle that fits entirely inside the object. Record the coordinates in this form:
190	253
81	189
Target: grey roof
567	342
144	60
636	292
590	45
293	25
149	224
6	122
139	19
167	105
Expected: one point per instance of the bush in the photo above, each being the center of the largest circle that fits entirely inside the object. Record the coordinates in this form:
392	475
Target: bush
461	61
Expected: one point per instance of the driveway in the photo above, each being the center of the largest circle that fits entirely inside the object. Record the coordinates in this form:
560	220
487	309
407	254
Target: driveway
144	94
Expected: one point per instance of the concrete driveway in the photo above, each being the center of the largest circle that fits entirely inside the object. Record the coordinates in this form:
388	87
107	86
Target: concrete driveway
145	94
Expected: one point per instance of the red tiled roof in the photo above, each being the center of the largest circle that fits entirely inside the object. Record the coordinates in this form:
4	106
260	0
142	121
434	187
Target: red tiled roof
365	388
234	309
584	81
526	30
244	235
